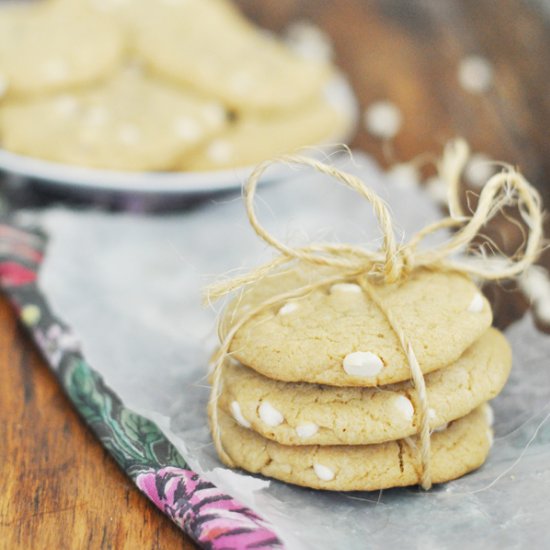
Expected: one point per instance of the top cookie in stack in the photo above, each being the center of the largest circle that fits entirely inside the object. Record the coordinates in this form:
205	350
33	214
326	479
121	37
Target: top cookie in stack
317	390
58	56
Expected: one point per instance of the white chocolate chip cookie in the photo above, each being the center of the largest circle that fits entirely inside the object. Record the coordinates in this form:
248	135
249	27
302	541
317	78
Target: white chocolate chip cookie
340	337
254	138
459	449
132	122
310	414
208	45
50	46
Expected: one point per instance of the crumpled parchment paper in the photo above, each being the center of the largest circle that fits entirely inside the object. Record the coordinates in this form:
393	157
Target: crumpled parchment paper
130	286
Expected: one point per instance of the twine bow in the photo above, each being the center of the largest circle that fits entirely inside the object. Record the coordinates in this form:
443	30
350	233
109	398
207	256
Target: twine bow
393	262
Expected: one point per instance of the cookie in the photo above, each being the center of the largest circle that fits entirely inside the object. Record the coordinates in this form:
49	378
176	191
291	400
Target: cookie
254	138
337	335
459	449
208	45
308	414
132	122
51	46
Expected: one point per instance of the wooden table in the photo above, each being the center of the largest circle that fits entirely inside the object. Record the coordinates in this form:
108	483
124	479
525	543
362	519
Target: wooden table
58	485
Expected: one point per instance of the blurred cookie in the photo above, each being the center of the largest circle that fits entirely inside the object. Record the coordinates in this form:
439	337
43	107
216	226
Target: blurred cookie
208	45
54	45
300	414
253	138
132	122
459	449
337	335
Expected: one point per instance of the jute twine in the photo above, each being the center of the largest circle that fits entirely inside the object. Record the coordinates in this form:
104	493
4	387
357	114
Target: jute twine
391	263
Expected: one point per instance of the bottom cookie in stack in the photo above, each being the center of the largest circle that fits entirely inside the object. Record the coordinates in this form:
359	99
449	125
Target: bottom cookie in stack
357	438
459	449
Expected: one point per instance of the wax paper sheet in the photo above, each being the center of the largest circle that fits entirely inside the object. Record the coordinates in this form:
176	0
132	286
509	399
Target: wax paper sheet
130	286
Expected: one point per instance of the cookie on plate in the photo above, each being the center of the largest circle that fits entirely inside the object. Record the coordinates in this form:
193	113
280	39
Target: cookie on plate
455	451
131	122
311	414
253	138
50	46
337	335
208	45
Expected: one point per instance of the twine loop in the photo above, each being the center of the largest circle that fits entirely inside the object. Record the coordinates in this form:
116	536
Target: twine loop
392	262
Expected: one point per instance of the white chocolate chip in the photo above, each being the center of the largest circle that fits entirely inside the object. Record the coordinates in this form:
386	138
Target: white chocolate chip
288	308
242	82
383	119
351	288
96	116
475	74
187	129
404	406
490	437
432	416
478	170
213	114
306	430
238	415
219	151
476	305
55	70
66	104
129	134
362	363
489	414
270	415
323	472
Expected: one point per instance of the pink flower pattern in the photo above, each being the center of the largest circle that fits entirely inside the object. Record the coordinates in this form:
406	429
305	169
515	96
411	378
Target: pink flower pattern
214	519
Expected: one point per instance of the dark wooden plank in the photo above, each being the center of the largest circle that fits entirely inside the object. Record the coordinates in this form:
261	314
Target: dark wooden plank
60	489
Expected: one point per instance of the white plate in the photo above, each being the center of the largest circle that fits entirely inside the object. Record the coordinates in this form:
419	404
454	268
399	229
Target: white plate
81	179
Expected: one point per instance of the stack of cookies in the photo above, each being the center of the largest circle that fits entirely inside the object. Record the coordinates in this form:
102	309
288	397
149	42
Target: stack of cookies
317	391
141	85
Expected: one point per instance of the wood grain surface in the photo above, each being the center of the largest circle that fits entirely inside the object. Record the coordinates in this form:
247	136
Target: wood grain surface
59	489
